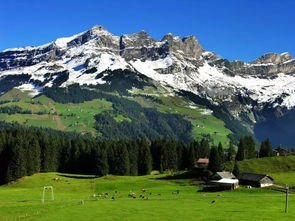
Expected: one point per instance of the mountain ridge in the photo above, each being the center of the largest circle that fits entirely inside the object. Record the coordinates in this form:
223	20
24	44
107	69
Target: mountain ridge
248	92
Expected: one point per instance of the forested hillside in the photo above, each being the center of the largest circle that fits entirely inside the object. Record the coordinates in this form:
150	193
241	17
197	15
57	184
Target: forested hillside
122	115
25	151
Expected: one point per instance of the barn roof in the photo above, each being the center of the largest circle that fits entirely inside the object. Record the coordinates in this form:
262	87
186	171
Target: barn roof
253	176
226	175
203	160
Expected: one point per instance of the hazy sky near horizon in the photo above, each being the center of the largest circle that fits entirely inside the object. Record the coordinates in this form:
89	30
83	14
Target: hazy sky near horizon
234	29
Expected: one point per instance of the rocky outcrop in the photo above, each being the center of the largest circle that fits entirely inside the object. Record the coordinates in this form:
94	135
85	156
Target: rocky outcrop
28	56
273	58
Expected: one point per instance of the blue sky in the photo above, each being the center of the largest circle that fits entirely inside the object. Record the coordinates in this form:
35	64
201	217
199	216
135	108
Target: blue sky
234	29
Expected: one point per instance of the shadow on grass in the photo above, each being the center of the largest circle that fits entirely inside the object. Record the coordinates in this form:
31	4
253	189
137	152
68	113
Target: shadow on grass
197	174
78	176
213	189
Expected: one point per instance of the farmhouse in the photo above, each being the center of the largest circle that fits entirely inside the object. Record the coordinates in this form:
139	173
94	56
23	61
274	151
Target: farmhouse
224	180
203	162
281	151
255	180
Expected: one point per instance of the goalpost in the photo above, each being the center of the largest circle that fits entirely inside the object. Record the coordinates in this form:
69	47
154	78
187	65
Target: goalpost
47	188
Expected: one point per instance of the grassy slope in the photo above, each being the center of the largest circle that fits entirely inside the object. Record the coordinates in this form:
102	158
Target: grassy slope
80	117
282	169
242	204
65	117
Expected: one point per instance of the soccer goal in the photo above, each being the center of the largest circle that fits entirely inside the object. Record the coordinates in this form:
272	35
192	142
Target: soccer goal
47	189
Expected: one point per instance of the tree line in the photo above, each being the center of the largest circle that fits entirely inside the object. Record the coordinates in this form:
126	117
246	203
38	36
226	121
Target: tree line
25	151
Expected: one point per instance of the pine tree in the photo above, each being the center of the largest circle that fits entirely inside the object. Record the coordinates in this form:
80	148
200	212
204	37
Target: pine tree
111	155
250	147
241	151
231	152
33	157
236	170
17	164
121	157
191	160
214	160
133	150
265	149
145	158
221	155
156	147
204	148
101	161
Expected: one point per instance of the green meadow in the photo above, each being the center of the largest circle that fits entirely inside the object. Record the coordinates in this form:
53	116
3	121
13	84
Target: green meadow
80	197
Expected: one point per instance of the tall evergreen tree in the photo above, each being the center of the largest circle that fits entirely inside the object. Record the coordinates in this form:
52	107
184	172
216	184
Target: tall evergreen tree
33	157
250	147
169	156
191	160
144	158
156	147
221	155
241	150
204	148
231	152
111	155
133	150
236	170
100	161
121	157
215	164
265	149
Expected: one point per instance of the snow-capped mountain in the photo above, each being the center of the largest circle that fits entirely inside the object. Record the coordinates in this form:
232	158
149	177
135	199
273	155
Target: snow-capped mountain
248	91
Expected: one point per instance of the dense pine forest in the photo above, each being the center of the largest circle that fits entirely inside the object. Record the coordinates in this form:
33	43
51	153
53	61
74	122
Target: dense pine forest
27	150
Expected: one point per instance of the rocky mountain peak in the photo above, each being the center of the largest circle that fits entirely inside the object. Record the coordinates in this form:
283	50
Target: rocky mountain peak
189	45
99	30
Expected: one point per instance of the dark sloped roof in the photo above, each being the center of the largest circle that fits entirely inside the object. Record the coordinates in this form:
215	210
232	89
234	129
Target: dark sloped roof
253	176
225	175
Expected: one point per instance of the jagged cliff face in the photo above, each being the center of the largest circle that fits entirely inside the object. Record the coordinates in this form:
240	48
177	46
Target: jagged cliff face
250	92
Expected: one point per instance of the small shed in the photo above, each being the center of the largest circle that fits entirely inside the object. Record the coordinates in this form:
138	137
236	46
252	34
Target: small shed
203	162
255	180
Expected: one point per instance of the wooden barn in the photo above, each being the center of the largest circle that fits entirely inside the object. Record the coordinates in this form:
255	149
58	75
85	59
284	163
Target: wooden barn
255	180
223	181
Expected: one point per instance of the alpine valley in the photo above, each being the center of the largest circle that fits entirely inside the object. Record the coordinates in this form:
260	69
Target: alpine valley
134	86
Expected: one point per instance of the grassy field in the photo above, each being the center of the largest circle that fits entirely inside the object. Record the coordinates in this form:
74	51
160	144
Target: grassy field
21	200
80	117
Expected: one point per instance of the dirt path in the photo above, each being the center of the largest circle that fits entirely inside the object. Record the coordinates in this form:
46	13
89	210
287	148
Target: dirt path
60	125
